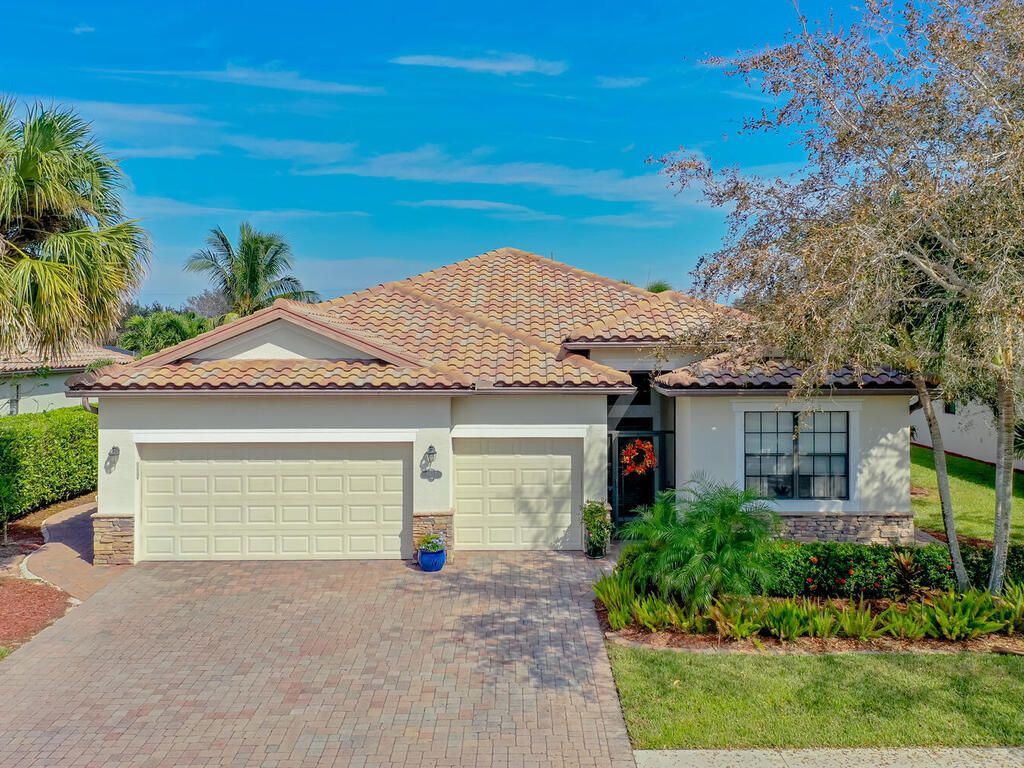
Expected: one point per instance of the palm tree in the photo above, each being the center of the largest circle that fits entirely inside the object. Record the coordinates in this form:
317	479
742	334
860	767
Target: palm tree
252	274
69	260
146	334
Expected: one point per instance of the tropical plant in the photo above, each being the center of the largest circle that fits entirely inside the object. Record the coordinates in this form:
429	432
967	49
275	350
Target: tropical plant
1012	606
653	613
951	616
857	622
251	274
823	620
69	259
737	618
907	583
149	334
617	592
904	625
705	540
786	619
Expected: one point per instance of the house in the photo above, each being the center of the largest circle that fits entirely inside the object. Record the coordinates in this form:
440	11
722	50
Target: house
486	400
31	383
968	430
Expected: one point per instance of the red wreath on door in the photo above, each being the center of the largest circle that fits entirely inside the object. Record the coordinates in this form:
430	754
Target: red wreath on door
638	457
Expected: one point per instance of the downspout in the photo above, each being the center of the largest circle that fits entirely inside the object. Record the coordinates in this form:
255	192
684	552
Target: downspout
89	406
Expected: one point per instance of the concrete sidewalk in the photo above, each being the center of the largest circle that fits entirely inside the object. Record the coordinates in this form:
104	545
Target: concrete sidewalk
923	757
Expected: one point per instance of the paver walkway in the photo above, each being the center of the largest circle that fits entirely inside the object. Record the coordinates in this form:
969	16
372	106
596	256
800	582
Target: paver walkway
496	661
66	558
922	757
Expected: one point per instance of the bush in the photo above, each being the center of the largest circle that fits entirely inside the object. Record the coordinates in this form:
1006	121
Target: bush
706	540
45	458
597	522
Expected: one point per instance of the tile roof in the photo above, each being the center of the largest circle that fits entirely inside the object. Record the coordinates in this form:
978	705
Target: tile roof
659	317
726	372
269	375
79	357
535	295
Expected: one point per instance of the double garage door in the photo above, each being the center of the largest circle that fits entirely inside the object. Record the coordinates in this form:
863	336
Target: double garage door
275	501
331	501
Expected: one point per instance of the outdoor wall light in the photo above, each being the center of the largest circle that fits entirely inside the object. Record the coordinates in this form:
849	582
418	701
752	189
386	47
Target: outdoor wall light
431	455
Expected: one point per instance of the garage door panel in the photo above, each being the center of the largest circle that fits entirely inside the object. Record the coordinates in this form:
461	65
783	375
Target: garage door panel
517	493
274	501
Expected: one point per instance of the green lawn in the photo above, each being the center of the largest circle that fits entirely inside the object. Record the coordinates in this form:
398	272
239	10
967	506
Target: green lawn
972	485
839	700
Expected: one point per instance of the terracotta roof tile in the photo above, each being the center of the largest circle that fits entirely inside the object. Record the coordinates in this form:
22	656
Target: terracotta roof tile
193	375
659	317
79	357
726	372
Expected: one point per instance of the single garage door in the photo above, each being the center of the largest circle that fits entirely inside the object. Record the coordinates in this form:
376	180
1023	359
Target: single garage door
274	501
518	493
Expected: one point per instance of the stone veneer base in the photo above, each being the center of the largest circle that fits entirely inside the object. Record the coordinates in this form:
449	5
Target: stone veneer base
435	522
113	539
895	529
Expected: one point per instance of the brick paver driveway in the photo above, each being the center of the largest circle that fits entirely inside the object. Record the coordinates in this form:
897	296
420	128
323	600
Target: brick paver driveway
497	660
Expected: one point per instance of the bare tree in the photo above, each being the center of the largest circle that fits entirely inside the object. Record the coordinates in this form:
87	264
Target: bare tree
900	241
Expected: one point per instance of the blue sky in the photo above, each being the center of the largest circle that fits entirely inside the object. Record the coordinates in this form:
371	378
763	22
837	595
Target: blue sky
384	139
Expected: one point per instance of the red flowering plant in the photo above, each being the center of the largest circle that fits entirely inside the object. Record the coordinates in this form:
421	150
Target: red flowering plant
638	457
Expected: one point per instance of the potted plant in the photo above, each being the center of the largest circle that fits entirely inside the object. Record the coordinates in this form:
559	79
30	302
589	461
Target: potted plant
597	528
431	548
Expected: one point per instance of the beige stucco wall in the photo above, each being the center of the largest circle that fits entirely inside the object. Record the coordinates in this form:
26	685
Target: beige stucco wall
708	431
34	394
280	340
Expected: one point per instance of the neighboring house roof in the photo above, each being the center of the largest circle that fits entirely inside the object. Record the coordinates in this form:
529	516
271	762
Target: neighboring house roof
656	318
725	372
78	358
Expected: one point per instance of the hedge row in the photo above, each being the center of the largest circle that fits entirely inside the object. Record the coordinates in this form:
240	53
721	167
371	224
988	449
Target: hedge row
830	569
45	458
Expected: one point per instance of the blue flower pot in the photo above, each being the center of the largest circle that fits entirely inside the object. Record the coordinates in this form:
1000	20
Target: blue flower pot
432	561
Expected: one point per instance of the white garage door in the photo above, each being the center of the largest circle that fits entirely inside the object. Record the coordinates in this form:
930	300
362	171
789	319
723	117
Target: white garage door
518	493
281	501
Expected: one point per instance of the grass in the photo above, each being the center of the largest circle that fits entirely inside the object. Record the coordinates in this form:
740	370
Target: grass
972	486
675	700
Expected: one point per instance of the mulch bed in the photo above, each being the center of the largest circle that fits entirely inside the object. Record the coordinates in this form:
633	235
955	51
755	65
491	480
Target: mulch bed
26	607
677	641
966	540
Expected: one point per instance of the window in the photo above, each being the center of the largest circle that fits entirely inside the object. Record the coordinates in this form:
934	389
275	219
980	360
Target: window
797	456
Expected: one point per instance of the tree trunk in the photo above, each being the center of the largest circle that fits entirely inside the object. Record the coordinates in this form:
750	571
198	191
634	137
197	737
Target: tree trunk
942	480
1005	420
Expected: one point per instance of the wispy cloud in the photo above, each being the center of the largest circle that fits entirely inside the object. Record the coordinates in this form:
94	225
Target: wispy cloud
169	152
430	163
493	63
621	82
292	149
266	77
83	29
147	206
630	220
123	112
490	207
750	96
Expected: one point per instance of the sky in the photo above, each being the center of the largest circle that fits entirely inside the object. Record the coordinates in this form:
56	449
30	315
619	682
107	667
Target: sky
383	139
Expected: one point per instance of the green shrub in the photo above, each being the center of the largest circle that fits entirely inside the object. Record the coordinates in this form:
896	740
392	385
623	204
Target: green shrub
45	458
597	523
617	591
737	618
653	614
705	540
823	620
786	619
858	623
903	624
978	562
1012	607
961	617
